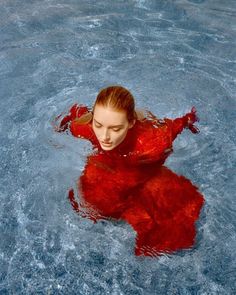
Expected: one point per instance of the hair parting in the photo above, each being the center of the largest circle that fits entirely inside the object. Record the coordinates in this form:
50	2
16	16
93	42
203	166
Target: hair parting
118	98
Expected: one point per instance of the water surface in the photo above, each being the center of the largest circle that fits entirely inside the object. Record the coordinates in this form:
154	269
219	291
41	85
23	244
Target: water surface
171	55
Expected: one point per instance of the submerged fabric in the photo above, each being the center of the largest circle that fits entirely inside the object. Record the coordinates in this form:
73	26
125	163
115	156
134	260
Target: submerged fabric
130	183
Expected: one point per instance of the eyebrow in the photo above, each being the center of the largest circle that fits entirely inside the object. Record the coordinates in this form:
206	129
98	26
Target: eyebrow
112	126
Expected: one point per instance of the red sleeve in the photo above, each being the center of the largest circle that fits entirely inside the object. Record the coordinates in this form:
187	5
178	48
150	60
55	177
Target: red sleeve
70	122
187	121
75	111
155	136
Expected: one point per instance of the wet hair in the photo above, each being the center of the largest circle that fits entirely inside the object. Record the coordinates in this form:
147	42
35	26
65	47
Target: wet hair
117	98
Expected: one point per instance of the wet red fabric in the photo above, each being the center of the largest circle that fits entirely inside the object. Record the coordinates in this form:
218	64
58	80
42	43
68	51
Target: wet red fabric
130	183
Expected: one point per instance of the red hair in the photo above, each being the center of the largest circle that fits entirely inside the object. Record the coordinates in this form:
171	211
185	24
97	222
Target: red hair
118	98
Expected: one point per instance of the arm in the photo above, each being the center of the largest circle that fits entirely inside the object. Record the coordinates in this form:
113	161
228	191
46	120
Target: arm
187	121
71	122
75	111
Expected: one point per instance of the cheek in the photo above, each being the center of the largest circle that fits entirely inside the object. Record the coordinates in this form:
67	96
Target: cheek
119	137
96	132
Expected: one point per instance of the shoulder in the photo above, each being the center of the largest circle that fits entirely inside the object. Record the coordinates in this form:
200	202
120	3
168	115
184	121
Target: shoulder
77	110
152	140
80	124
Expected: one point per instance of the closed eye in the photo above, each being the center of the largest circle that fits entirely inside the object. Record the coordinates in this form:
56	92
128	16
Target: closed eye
116	129
97	124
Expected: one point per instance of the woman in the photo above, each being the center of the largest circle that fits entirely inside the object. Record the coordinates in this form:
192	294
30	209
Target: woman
124	178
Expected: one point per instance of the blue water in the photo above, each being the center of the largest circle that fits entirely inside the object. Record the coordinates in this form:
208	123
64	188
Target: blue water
171	54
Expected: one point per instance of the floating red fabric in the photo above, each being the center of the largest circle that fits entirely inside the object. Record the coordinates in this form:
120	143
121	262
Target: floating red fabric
130	183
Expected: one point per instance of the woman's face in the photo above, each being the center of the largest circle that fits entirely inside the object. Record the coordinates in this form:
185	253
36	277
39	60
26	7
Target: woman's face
110	126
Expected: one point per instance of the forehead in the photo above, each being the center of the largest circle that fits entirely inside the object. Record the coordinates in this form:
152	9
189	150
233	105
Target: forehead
109	116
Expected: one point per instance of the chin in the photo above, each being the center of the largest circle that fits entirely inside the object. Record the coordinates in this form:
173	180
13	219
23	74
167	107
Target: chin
107	148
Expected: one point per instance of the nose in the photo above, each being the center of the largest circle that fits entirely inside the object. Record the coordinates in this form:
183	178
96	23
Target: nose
106	135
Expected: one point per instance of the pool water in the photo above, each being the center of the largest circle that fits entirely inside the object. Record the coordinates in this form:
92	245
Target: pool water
172	55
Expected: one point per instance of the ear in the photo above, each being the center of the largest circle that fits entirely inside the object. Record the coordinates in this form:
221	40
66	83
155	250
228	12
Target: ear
131	124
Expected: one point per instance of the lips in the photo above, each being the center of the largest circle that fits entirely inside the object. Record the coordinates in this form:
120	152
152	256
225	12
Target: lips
105	143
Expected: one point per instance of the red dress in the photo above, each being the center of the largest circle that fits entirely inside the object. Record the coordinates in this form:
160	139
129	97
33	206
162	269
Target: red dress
130	183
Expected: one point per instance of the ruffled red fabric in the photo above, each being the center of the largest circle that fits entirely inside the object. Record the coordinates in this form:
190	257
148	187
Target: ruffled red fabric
130	183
